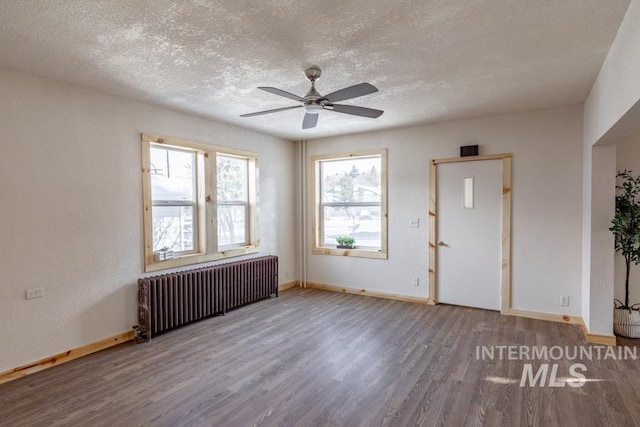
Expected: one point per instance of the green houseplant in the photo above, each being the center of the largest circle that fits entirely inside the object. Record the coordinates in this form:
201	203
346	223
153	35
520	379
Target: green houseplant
345	242
625	227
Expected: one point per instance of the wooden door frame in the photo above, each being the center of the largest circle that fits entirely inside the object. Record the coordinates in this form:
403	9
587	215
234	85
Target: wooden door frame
505	278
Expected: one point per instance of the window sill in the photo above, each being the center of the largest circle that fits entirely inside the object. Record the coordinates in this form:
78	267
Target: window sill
356	253
198	258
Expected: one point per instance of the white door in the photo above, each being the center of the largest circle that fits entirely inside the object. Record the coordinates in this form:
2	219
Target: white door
469	226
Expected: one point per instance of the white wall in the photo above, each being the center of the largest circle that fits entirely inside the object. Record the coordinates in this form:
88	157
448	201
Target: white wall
70	183
546	209
628	157
617	87
601	247
611	114
587	158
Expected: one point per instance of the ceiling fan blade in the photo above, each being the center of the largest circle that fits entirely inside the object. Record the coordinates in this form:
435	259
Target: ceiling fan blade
351	92
281	92
310	121
355	110
270	111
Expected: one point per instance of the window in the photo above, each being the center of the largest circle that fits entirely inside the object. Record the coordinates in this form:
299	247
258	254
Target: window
233	200
184	223
174	201
350	201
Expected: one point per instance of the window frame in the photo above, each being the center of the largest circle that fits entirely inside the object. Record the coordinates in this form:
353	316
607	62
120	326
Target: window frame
206	241
318	215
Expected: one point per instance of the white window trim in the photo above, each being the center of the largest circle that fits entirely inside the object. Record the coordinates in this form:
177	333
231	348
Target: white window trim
207	242
320	249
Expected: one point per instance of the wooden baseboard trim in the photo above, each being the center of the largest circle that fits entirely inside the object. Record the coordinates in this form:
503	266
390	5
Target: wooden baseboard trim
600	339
573	320
365	292
551	317
66	356
597	338
288	285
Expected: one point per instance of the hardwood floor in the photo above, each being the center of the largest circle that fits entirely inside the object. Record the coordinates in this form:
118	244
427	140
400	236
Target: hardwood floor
317	358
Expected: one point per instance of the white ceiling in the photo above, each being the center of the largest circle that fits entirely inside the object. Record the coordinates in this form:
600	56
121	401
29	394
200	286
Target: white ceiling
431	60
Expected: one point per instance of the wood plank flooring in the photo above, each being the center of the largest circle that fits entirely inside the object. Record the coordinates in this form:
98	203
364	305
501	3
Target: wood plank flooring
317	358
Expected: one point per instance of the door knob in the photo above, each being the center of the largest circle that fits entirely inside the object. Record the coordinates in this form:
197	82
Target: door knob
441	243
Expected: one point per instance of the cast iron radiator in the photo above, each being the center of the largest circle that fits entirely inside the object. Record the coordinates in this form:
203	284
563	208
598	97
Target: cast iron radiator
172	300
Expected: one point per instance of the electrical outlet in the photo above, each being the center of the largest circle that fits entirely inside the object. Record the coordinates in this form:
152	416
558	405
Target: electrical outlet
564	301
415	281
415	223
34	293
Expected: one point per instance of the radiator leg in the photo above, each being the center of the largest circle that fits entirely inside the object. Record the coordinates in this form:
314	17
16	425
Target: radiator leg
139	334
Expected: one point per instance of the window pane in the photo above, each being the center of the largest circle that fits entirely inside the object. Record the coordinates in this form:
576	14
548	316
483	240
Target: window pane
351	180
172	174
173	228
232	226
362	223
232	179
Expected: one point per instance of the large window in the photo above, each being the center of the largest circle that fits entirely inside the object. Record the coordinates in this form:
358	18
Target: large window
350	204
199	202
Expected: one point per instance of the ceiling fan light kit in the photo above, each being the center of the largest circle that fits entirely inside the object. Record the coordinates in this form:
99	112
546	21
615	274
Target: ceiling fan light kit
313	108
313	102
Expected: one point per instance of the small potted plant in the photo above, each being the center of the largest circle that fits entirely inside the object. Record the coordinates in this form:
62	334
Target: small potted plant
346	242
625	227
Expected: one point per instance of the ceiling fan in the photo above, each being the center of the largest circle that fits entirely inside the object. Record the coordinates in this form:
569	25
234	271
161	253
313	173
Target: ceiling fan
313	102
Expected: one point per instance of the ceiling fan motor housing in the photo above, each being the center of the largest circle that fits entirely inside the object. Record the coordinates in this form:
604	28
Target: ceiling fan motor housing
313	95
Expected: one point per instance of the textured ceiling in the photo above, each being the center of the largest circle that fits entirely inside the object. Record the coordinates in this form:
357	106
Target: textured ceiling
431	60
